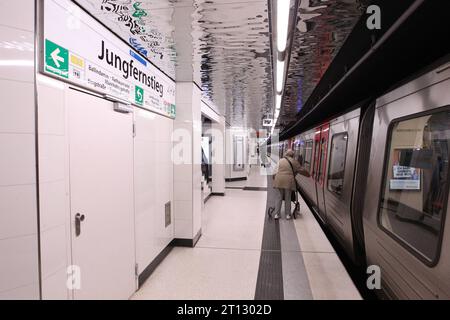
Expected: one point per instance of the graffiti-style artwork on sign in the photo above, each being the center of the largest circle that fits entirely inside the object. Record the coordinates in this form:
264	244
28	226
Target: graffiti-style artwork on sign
138	12
146	25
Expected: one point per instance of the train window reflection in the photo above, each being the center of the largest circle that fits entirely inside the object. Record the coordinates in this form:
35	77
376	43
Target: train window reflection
323	154
416	183
298	149
337	163
303	153
308	155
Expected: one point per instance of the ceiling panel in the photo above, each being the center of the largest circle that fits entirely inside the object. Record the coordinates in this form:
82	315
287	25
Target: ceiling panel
322	28
230	49
224	47
232	58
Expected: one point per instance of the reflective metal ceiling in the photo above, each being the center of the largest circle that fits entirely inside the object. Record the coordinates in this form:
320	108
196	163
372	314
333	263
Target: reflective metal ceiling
230	47
322	28
230	52
234	51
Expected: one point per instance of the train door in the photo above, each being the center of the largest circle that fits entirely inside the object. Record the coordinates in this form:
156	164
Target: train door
316	162
101	196
320	164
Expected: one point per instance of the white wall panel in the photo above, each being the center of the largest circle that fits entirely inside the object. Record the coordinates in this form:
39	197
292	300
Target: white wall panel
18	267
53	187
183	173
52	158
51	106
197	200
183	229
17	211
52	288
54	204
22	293
17	107
153	185
17	60
182	153
184	94
218	167
184	113
182	191
18	14
188	175
53	251
183	210
144	189
19	277
17	163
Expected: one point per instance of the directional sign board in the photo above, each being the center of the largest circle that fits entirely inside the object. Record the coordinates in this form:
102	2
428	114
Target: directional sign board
139	95
56	59
81	51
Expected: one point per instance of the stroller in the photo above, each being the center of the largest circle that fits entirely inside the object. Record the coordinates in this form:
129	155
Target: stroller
294	198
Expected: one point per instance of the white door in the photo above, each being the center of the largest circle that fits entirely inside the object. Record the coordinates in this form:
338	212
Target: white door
101	195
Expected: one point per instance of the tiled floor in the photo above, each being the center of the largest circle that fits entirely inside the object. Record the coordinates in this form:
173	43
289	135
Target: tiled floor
236	184
203	273
225	262
256	179
235	221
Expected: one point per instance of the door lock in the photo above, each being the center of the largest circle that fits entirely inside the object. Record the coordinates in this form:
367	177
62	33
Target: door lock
78	219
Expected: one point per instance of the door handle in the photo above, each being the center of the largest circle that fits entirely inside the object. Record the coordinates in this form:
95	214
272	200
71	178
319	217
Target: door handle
78	219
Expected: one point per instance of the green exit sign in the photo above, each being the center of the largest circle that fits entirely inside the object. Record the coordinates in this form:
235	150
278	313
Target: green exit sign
56	59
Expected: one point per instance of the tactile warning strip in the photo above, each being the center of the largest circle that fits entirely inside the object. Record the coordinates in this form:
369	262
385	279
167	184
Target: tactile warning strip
269	284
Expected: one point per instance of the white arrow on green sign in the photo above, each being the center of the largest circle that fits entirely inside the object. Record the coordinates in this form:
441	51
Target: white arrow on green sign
56	59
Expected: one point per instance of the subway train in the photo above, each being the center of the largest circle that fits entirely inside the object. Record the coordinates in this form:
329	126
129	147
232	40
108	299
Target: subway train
380	183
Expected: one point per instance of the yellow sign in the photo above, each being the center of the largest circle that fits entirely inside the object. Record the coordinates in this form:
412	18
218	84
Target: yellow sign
77	61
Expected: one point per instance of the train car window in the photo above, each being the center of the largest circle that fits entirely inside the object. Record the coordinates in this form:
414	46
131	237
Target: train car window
416	184
300	156
307	156
298	151
337	163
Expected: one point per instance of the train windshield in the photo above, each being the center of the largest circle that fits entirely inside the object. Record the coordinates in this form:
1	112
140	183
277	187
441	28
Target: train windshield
416	184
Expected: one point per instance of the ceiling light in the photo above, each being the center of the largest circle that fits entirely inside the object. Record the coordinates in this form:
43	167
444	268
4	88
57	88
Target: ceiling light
280	75
278	102
283	8
277	114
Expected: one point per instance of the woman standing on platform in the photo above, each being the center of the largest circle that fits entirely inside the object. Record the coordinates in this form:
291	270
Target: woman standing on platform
285	183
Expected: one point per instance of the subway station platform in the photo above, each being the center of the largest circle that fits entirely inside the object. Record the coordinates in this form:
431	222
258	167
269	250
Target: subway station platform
242	254
139	140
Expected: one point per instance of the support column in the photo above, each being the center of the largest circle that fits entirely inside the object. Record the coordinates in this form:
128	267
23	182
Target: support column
218	158
187	164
